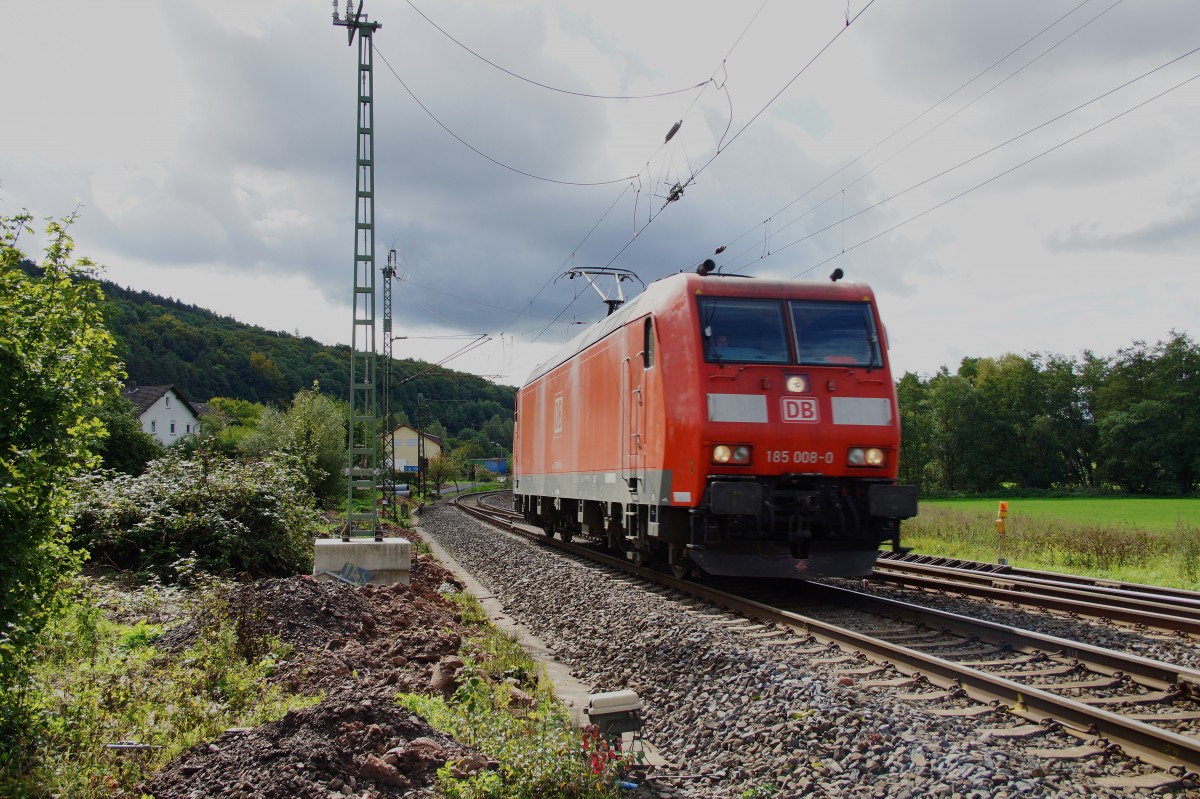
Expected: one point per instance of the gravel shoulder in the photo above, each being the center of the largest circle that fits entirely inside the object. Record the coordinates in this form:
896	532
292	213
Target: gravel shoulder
739	716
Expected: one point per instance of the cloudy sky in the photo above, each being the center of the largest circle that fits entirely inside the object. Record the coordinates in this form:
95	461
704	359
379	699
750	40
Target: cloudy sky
1009	177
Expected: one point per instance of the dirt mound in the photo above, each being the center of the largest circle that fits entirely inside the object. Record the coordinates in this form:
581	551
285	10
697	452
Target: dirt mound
298	610
353	743
361	647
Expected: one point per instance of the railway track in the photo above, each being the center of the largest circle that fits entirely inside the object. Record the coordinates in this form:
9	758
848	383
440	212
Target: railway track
1078	699
1138	606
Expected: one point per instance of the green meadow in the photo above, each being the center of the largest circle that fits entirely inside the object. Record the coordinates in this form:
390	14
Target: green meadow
1144	540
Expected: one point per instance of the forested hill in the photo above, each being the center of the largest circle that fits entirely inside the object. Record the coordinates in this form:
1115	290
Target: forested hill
163	341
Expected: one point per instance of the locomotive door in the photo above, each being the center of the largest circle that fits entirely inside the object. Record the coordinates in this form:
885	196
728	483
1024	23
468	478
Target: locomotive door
633	418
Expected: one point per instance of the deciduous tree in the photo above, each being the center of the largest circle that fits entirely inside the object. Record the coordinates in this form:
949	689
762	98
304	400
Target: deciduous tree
58	370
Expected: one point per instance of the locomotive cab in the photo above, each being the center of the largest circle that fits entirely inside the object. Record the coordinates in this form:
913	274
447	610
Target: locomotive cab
800	413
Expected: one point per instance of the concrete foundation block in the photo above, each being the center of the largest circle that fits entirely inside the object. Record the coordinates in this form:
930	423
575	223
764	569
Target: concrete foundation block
385	562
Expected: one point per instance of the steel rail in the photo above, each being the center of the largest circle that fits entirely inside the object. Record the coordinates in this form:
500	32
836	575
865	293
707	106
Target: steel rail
1100	584
1159	747
1186	603
1129	609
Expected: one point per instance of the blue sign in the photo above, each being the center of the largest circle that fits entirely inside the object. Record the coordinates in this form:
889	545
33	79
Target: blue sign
410	468
355	575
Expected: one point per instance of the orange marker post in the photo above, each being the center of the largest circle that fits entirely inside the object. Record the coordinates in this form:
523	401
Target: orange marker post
1001	530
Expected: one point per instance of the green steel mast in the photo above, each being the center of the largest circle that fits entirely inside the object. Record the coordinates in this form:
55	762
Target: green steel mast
389	425
362	452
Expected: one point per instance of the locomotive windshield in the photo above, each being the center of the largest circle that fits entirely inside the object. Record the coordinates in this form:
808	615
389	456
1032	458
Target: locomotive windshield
835	333
744	330
740	329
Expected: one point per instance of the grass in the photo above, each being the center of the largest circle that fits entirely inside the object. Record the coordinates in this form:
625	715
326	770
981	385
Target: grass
1143	513
1151	541
505	707
100	682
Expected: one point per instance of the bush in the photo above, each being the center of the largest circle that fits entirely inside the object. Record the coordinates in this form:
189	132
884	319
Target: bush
228	516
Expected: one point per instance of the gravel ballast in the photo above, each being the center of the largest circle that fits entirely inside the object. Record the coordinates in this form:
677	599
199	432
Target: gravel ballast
741	717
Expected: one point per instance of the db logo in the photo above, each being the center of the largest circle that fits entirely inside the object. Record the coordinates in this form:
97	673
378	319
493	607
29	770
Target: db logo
801	409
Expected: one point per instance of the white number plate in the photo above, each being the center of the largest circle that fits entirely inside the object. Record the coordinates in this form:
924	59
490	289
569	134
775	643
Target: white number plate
799	456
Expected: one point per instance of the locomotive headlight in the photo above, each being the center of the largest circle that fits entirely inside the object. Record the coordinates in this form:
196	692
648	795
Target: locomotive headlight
797	384
726	453
865	456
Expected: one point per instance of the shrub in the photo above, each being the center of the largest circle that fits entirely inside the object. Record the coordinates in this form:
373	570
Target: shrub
227	516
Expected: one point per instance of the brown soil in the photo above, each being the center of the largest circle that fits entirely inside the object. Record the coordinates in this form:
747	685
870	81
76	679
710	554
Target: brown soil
360	647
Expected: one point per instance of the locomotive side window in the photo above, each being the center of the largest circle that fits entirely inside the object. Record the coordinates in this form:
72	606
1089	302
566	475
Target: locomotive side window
648	344
743	330
835	333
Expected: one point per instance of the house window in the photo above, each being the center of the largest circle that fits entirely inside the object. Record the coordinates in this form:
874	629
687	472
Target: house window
153	425
172	427
167	400
188	428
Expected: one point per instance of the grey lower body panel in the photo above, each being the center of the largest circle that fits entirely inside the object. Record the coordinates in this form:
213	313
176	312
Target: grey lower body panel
653	487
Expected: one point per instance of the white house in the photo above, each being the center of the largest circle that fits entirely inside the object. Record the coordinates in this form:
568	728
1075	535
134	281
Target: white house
165	413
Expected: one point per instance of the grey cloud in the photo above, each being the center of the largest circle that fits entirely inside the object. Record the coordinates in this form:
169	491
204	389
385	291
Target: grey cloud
1179	235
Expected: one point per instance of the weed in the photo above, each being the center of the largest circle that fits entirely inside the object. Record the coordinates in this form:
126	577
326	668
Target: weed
530	734
100	682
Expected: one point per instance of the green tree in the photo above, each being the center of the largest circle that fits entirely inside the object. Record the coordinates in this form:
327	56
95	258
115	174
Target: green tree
957	435
226	424
313	430
1148	414
127	448
916	430
442	470
59	370
1032	412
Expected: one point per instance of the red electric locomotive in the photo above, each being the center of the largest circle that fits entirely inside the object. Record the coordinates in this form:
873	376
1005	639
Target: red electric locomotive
741	426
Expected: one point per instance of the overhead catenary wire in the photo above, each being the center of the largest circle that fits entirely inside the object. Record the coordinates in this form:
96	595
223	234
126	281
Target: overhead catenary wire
993	178
637	177
491	63
990	150
484	155
751	121
461	351
927	111
566	260
785	87
631	178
